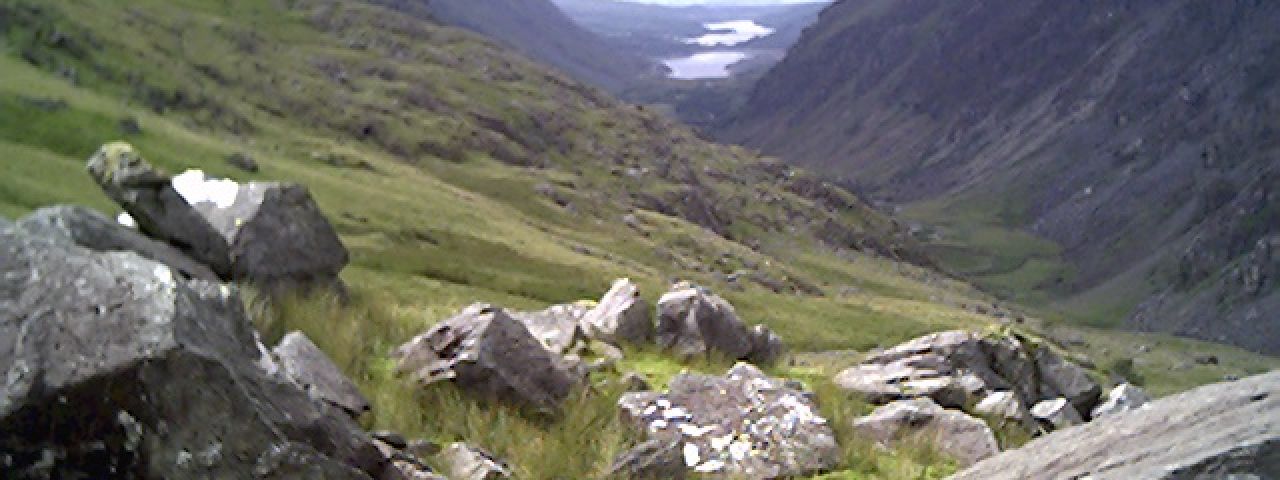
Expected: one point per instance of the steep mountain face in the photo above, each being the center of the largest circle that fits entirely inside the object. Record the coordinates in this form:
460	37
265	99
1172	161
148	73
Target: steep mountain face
1140	137
539	30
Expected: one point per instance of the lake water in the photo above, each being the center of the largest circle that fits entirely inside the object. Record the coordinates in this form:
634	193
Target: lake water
716	63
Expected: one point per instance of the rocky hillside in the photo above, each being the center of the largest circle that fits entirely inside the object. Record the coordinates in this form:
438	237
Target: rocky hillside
538	29
1137	139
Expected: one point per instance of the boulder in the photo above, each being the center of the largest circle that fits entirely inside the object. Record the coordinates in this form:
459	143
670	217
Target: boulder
116	366
694	322
556	327
1122	398
744	424
94	231
1056	414
651	460
408	466
243	161
304	363
485	351
621	317
959	368
766	347
465	462
272	234
952	432
1228	430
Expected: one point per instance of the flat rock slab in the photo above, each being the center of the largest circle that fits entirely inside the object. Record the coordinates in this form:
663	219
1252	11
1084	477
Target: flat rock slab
556	327
1211	432
744	424
304	363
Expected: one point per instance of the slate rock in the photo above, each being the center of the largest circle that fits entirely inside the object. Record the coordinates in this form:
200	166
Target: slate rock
952	432
1226	430
651	460
694	322
465	462
1122	398
1067	379
621	316
271	234
1056	414
742	425
766	347
555	327
94	231
304	363
1006	407
484	350
115	364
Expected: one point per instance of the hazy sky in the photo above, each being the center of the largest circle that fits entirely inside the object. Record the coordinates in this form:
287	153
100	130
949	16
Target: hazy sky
725	2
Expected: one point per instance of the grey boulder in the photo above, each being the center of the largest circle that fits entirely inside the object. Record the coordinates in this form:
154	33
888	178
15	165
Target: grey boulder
694	322
651	460
465	462
116	366
952	432
271	234
1056	414
1227	430
621	316
485	351
555	327
94	231
742	425
1005	407
304	363
766	347
1122	398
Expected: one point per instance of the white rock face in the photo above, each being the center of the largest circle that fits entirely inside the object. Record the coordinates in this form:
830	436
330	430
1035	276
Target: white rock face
1123	398
195	187
127	220
1057	412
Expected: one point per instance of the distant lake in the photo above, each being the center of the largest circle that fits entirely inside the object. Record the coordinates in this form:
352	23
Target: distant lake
704	65
728	34
715	63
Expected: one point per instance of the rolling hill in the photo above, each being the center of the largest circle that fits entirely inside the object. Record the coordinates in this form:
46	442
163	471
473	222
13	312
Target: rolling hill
1115	161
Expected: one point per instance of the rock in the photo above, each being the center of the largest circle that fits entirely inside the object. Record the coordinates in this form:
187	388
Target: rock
422	448
957	368
271	234
1006	406
621	317
485	351
744	424
392	439
952	432
635	382
243	161
694	322
766	347
1206	359
114	364
1056	414
304	363
408	466
94	231
1123	398
556	327
464	462
130	126
1228	430
651	460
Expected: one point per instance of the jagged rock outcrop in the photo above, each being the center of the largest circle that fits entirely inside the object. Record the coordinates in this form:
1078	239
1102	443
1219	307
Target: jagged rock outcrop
1227	430
271	234
1056	414
1122	398
484	350
94	231
954	433
1005	407
117	367
304	363
744	424
766	347
692	321
960	368
621	316
465	462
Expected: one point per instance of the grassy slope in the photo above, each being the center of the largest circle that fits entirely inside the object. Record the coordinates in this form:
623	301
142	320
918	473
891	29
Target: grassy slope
431	234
